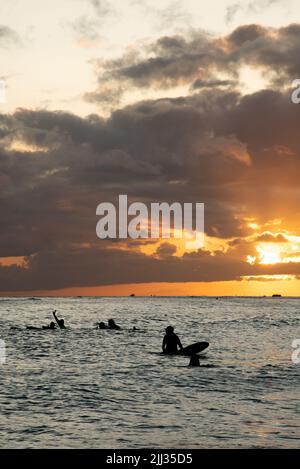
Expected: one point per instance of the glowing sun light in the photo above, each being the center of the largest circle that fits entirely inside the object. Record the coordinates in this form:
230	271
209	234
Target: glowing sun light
268	255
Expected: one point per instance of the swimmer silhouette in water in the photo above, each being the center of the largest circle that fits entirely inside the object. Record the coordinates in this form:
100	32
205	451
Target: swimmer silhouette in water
51	326
194	361
102	325
113	325
171	341
60	322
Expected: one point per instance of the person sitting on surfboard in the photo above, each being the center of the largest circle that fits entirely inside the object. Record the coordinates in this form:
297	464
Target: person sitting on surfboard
60	322
171	341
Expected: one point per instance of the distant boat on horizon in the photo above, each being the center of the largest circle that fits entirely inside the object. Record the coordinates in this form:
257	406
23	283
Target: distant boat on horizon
276	295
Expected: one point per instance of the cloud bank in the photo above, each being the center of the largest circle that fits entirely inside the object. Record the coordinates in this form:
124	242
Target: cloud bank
239	154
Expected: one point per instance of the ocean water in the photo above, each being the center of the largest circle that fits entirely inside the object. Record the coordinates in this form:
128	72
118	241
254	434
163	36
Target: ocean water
87	388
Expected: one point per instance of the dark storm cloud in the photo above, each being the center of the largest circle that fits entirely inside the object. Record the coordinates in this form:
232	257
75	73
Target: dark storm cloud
237	154
107	96
246	35
266	279
199	59
276	51
270	238
173	60
212	83
63	268
166	250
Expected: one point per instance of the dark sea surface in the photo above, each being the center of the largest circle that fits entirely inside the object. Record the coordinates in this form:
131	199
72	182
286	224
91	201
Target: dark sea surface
87	388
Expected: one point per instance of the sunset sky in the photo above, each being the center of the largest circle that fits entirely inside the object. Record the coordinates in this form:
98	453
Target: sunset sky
180	101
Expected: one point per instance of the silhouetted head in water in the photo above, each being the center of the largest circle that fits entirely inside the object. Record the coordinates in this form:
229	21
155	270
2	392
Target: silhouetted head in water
113	325
169	330
194	361
51	326
102	325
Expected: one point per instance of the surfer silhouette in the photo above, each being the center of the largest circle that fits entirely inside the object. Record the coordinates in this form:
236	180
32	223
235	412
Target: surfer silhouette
60	322
171	341
113	325
102	325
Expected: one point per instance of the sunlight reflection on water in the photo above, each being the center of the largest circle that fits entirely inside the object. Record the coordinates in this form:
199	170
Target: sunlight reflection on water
83	387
